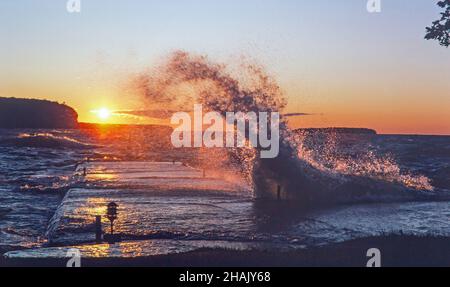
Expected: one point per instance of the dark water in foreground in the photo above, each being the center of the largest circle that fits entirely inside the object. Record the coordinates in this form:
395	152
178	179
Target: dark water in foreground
36	169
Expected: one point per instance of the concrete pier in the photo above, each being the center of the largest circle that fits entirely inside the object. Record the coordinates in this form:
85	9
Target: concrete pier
136	187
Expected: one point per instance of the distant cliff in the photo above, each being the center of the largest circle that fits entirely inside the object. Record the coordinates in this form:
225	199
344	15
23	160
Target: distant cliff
31	113
339	130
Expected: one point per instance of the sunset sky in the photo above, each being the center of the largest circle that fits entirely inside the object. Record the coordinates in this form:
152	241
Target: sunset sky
333	59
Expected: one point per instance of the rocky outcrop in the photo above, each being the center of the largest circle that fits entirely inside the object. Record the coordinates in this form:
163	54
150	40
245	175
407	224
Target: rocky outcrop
32	113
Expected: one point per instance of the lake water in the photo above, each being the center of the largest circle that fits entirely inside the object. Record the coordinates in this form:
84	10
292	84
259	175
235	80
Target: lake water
180	208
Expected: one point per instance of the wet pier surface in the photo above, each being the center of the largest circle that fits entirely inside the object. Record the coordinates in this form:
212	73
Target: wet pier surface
159	204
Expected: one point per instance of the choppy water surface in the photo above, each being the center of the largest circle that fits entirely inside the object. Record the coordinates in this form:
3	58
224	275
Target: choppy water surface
37	167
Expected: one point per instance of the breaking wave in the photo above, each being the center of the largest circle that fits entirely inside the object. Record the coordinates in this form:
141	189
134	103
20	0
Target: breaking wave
309	173
43	140
367	163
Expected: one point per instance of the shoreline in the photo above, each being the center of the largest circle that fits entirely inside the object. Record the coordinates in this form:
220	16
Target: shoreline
396	251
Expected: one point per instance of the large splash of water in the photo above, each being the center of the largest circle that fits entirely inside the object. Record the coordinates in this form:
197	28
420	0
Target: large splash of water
185	79
328	158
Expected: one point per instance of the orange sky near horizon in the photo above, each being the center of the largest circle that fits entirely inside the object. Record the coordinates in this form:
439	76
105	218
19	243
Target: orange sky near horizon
395	109
406	113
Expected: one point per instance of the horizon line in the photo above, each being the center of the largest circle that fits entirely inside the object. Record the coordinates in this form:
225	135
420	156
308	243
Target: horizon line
377	133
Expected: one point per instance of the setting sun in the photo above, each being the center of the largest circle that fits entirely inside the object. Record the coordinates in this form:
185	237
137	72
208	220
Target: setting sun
103	113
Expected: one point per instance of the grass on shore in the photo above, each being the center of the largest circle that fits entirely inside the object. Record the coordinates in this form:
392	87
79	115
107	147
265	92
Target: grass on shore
396	250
